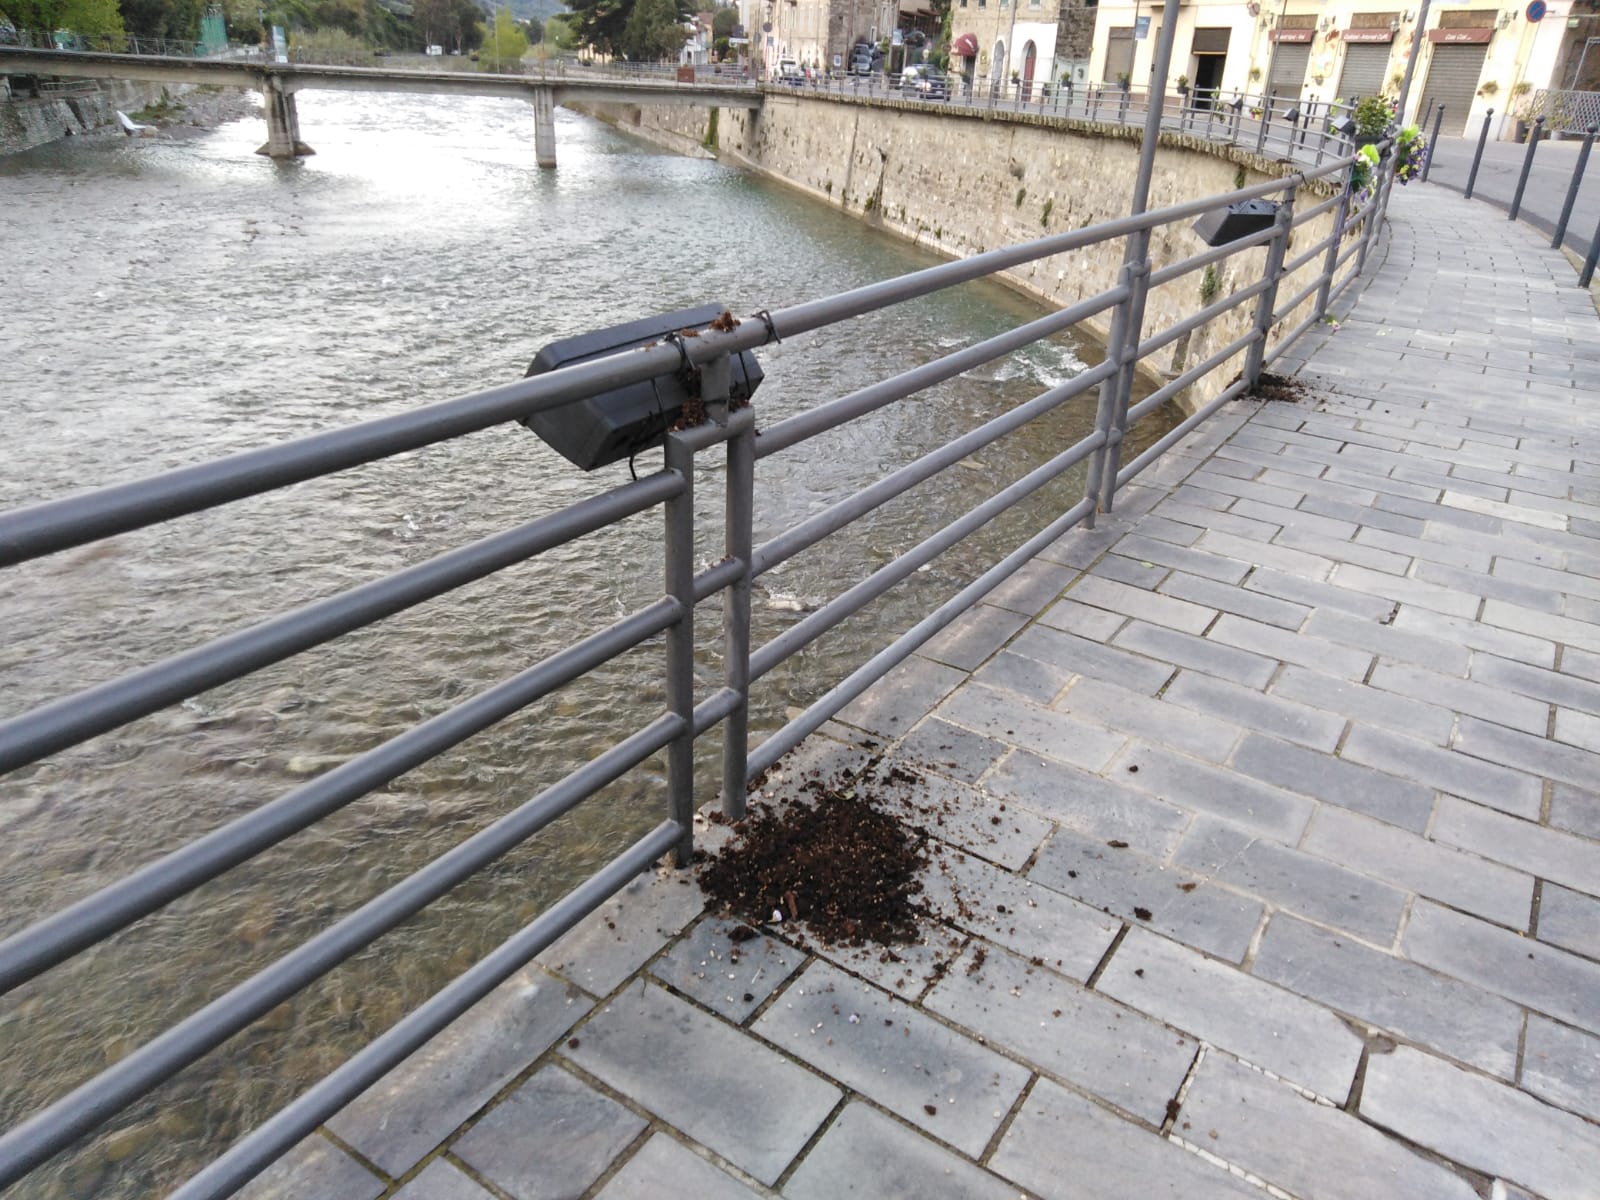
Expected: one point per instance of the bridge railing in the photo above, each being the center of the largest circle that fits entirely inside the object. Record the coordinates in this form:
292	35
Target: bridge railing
120	43
1283	289
1270	125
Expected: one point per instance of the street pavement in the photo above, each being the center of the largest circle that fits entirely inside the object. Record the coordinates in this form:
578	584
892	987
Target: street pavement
1548	182
1267	840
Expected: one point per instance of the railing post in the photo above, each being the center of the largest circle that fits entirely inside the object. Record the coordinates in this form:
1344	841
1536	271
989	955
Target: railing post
738	545
1572	188
1527	168
1138	290
1433	143
1277	248
1332	264
1116	344
1266	121
1374	216
679	573
1483	138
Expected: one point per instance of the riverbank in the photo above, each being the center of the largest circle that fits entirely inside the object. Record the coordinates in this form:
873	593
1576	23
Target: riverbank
91	110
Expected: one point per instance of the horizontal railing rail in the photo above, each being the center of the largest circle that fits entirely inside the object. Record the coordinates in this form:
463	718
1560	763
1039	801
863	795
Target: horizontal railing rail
1245	331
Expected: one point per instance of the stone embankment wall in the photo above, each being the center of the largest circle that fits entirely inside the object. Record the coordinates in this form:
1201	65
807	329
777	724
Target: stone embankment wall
28	122
963	183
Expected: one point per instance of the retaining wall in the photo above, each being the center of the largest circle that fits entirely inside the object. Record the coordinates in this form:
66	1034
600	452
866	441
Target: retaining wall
964	182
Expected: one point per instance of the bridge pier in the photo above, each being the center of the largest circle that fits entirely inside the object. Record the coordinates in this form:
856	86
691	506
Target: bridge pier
283	123
544	126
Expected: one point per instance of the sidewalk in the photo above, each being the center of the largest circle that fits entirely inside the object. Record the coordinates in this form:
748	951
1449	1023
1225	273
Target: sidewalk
1553	164
1271	824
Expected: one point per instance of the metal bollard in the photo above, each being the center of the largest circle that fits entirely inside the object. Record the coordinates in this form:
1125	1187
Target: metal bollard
1527	168
1572	188
1587	273
1433	144
1483	138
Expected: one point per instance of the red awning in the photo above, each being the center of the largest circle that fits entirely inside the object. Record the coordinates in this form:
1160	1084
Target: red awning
965	46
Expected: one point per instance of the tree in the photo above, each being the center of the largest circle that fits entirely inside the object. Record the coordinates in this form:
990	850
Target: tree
534	29
560	32
503	49
94	18
451	23
654	30
599	23
724	22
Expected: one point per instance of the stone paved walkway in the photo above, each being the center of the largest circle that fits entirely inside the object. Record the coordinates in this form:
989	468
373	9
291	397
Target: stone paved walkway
1296	765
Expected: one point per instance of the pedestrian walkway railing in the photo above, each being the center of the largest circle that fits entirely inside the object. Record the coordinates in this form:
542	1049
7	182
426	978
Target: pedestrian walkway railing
1285	276
1269	125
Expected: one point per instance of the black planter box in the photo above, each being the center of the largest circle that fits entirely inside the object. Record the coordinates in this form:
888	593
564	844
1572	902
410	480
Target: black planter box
618	424
1239	219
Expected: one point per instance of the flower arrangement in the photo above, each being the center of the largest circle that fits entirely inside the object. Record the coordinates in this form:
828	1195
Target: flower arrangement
1410	153
1373	116
1363	174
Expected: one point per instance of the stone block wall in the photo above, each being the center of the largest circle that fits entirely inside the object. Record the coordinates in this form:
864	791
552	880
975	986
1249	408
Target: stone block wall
963	183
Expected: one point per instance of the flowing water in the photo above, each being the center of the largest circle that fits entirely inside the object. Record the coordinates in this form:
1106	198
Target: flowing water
168	302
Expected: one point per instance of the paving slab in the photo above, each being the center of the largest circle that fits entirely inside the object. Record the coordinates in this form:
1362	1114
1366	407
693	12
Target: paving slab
1561	1065
667	1170
1546	979
1261	1023
1310	1150
1172	900
398	1120
1485	1125
1065	1030
949	1085
551	1138
1062	1144
866	1153
314	1169
1464	1022
720	1086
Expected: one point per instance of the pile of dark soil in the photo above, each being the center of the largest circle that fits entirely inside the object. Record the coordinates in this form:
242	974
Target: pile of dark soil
845	869
1277	387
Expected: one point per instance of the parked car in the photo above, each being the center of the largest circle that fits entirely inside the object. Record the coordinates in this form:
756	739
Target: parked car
864	60
789	72
929	84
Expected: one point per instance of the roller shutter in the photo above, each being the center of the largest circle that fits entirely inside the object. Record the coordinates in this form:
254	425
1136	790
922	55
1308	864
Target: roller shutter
1364	71
1119	54
1289	63
1453	81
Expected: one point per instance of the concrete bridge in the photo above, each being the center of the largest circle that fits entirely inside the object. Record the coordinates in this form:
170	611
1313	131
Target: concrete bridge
279	82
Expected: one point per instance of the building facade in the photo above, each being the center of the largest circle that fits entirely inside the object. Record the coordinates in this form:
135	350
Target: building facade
996	42
818	33
1472	58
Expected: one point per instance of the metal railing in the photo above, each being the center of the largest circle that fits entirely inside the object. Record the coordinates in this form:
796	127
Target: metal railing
1287	293
1270	125
118	43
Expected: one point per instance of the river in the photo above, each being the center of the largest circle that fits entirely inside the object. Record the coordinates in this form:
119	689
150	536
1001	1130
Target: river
170	301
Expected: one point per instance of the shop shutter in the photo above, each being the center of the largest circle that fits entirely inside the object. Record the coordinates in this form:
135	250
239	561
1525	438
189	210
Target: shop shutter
1289	63
1119	54
1365	67
1452	81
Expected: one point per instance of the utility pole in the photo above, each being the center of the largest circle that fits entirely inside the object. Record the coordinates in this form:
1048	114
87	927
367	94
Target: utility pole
1411	60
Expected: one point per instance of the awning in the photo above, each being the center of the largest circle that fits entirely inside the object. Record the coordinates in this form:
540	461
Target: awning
965	46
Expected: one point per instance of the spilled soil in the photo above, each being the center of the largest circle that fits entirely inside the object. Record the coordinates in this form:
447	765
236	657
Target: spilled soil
830	859
1277	387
